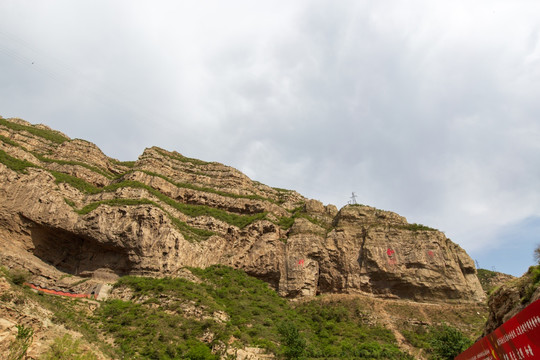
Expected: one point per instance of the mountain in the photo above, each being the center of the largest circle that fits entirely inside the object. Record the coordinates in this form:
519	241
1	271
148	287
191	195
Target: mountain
65	207
172	257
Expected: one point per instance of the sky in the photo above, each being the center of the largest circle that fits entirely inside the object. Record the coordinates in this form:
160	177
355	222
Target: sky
426	108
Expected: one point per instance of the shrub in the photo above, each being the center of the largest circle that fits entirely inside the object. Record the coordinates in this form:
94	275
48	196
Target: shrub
19	346
199	351
19	276
418	227
66	348
447	342
293	344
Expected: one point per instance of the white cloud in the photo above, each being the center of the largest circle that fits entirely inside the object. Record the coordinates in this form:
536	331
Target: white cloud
425	108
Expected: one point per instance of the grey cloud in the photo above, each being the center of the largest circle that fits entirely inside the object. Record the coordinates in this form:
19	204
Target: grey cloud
426	109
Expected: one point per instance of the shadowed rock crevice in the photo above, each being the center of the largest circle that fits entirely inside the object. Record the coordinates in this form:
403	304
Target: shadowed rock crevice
75	254
362	254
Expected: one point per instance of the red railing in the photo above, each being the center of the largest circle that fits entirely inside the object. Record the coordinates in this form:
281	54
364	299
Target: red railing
58	292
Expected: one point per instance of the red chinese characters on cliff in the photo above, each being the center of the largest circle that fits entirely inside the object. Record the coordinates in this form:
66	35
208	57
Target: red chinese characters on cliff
391	256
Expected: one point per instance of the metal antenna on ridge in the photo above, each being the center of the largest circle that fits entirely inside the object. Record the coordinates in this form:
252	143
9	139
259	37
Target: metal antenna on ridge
353	199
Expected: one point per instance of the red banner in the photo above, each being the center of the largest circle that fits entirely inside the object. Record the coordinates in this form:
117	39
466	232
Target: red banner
516	339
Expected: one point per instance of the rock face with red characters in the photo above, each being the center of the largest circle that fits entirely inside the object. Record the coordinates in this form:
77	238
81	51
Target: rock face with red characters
375	251
65	207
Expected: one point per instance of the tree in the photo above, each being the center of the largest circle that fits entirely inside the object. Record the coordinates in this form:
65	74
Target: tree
447	342
293	345
537	254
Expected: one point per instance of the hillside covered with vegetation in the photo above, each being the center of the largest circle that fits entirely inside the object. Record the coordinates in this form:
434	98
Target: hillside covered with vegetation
220	311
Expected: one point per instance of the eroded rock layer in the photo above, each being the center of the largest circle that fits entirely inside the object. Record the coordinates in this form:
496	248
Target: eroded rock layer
65	205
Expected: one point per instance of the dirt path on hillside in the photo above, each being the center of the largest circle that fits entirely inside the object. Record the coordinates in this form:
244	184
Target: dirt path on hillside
387	321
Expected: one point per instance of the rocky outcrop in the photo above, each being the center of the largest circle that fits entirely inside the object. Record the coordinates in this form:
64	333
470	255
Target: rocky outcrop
492	280
512	297
64	205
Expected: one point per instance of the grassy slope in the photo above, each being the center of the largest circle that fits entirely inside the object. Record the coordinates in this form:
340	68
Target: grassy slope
158	322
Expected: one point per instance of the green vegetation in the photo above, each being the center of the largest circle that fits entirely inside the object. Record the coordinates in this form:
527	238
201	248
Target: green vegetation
190	233
66	348
9	141
525	285
294	344
70	202
173	318
485	276
447	342
61	162
182	158
282	190
77	183
129	164
15	276
79	163
49	160
417	227
286	222
19	276
530	283
19	346
50	135
192	210
206	189
189	209
114	202
14	163
440	342
257	317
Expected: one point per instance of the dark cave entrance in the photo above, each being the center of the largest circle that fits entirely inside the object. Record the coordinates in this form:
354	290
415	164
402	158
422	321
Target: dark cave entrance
76	254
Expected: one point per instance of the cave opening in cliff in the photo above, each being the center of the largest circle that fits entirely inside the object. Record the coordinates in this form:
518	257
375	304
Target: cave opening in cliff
75	254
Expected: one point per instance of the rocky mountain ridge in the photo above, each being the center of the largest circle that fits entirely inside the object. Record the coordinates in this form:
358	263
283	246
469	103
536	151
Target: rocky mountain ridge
511	297
67	208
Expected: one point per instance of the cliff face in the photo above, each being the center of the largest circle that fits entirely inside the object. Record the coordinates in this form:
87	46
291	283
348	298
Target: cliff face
511	297
66	206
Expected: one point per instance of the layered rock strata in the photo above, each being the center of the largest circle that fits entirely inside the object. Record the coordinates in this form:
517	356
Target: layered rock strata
65	205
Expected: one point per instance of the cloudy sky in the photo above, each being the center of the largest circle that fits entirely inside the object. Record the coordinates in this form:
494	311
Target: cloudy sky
427	108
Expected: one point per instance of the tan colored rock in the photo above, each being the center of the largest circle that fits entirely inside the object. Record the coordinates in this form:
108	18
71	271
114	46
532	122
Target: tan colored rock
249	353
331	210
82	151
356	249
509	299
314	206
